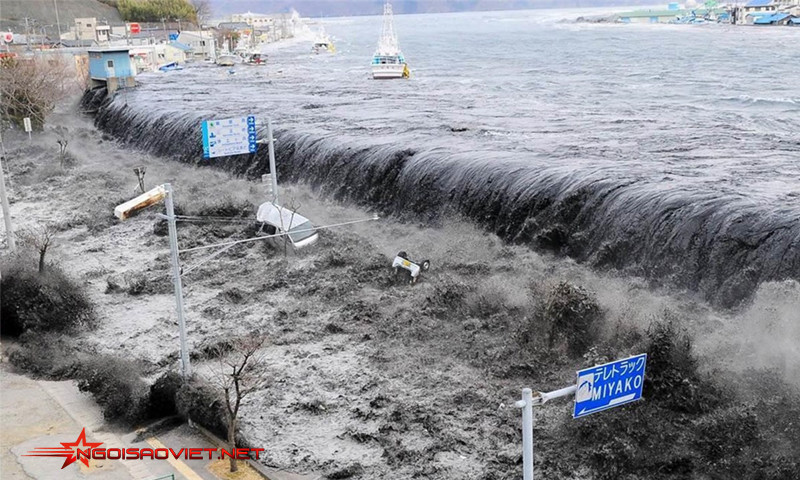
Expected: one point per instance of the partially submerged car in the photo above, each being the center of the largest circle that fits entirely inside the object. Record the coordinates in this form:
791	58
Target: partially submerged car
292	227
403	261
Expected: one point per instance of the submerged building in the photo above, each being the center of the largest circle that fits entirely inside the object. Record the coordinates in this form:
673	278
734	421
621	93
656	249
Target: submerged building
112	68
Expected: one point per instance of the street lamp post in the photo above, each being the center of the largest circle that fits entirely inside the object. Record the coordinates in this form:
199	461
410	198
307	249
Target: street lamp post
58	23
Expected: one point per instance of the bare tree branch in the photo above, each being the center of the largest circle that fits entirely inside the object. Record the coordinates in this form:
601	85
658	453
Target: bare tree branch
239	373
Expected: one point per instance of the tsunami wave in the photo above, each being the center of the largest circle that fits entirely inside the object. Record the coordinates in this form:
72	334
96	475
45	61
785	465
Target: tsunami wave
722	246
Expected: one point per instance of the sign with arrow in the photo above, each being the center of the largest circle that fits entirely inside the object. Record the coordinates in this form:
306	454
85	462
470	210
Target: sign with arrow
230	136
609	385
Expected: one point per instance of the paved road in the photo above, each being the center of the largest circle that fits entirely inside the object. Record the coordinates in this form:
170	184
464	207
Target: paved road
43	414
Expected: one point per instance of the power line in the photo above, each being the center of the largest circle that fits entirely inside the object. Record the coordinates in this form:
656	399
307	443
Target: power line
253	239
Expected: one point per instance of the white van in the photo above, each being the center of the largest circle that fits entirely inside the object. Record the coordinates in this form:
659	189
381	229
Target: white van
277	219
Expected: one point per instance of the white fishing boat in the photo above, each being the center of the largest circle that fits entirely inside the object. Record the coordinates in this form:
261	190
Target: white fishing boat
228	59
388	61
323	43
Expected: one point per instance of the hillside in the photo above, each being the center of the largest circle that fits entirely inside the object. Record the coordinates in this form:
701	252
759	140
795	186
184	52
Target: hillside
42	13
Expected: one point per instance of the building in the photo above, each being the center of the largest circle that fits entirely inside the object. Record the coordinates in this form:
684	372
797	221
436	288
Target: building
202	44
84	29
670	15
148	58
111	67
773	19
256	20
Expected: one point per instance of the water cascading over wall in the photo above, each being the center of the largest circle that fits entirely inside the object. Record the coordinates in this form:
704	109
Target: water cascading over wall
720	246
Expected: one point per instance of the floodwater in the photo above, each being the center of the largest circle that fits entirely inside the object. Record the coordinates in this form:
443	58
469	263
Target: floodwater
665	151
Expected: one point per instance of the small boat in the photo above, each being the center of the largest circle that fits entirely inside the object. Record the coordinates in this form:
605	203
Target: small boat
228	60
323	43
168	67
254	58
388	61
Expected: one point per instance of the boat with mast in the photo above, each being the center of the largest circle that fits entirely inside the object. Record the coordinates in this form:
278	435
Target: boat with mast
388	61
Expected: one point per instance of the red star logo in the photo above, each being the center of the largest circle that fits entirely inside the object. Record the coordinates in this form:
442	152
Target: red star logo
68	451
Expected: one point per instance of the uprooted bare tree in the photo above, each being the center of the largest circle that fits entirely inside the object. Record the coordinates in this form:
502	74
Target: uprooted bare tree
40	238
32	87
239	373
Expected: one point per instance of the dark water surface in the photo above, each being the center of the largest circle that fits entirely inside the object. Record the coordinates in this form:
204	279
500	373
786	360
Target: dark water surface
671	152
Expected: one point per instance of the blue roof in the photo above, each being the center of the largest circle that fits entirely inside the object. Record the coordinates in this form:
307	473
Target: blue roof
758	3
795	20
180	45
767	19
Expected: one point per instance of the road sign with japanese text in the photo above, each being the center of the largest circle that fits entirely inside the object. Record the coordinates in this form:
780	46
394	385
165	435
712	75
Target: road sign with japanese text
229	136
609	385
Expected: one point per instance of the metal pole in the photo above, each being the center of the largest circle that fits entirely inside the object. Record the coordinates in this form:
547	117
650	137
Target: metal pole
58	23
272	170
27	36
176	277
12	244
527	433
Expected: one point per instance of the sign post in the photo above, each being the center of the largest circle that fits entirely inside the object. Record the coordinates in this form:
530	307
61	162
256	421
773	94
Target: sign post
28	128
598	388
238	136
272	161
609	385
229	136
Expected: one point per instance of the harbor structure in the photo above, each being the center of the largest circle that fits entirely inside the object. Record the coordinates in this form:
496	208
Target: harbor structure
672	15
112	68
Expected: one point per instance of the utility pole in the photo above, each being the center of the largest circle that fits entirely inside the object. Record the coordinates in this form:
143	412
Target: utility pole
58	23
272	170
12	244
27	35
176	277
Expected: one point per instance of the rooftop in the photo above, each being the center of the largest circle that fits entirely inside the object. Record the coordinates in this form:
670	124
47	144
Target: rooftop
758	3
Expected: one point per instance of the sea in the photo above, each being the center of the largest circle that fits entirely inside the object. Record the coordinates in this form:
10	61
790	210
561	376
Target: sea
670	152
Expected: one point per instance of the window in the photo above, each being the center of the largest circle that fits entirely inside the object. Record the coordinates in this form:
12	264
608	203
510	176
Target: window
110	64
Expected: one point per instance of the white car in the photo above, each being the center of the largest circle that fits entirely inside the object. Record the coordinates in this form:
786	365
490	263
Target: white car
276	220
402	261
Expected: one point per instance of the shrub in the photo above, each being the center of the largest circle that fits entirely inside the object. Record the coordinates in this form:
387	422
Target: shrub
447	298
679	431
43	302
117	386
568	318
672	377
31	88
202	403
150	282
47	355
163	394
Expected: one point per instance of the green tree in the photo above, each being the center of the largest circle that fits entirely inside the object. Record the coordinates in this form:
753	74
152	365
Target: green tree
155	10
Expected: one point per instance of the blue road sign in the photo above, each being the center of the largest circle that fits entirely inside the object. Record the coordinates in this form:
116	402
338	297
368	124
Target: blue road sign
610	385
229	136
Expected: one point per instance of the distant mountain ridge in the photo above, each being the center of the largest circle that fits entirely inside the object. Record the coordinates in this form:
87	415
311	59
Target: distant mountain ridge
342	8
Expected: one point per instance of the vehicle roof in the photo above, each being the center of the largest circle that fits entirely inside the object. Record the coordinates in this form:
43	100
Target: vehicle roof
279	216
